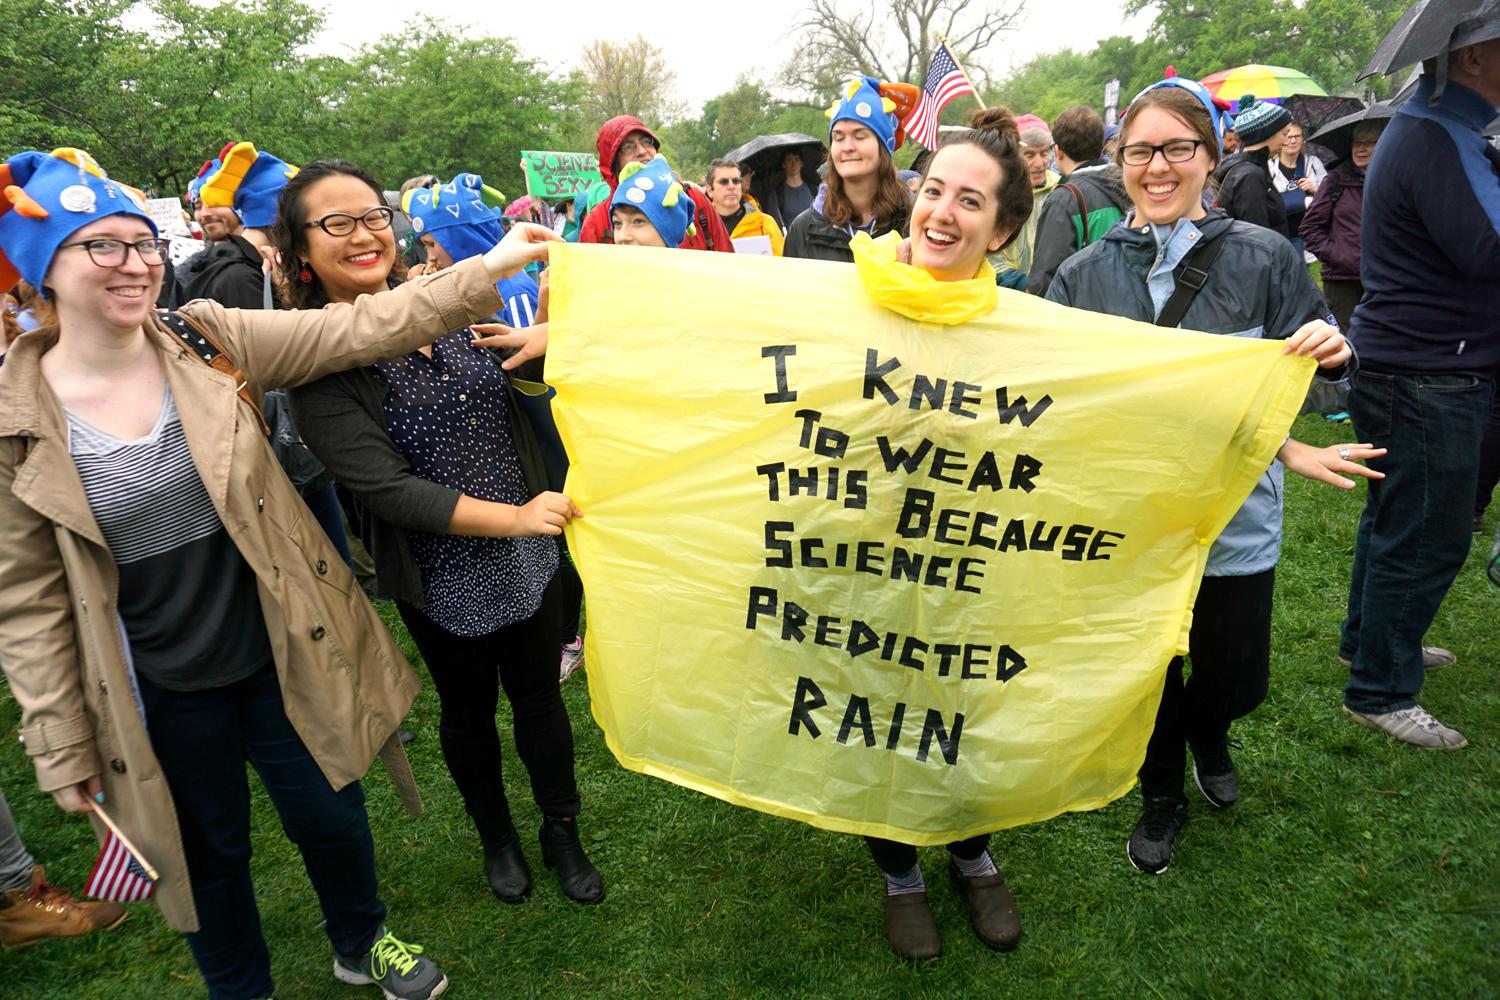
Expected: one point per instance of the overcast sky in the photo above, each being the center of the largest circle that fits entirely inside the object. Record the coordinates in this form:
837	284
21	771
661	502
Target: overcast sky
708	48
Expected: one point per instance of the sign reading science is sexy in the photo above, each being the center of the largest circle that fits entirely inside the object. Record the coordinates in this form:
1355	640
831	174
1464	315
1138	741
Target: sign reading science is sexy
551	175
882	576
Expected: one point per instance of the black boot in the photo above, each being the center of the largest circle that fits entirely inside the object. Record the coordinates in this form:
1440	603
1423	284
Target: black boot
505	865
580	880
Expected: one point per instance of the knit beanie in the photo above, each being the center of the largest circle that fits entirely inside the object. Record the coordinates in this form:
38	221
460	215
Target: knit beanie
1256	121
463	215
47	197
248	181
651	188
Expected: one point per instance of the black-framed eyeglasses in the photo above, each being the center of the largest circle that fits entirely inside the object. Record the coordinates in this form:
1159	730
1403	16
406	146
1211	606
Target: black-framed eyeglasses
112	253
1138	154
342	223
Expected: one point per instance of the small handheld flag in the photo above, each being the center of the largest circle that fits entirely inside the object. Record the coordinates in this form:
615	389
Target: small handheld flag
121	873
945	81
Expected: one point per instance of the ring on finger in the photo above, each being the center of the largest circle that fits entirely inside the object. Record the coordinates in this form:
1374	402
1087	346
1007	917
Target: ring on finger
1344	454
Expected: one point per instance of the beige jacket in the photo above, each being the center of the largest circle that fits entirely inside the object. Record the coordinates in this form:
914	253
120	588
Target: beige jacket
345	682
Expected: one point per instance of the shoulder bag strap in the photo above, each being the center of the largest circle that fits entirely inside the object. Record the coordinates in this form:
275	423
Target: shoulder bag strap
1083	211
202	345
1191	275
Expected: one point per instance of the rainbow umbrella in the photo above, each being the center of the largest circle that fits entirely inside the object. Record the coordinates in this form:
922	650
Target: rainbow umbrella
1268	83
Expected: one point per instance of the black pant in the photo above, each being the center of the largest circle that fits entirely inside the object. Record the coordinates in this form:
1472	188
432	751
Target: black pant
1489	458
572	594
1342	297
202	740
468	673
897	859
1230	649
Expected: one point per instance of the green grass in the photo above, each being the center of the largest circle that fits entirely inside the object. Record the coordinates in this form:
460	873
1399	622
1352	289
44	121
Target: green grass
1350	867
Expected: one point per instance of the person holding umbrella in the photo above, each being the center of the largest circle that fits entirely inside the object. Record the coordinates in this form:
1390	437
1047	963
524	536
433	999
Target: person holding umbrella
1428	330
1331	228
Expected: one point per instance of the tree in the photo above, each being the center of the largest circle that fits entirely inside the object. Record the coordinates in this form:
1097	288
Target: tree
628	78
1049	84
836	44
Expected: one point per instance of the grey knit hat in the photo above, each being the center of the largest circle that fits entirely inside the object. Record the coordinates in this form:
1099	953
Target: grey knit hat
1256	121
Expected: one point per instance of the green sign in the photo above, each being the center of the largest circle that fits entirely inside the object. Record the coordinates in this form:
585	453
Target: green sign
550	176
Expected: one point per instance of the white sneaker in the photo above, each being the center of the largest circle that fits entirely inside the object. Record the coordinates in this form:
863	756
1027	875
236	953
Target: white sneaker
1413	726
572	658
1433	658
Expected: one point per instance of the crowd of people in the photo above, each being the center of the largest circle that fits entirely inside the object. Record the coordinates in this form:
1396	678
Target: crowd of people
187	561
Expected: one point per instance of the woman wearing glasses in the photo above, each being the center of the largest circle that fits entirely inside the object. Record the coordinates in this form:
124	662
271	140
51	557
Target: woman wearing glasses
437	453
168	606
1256	286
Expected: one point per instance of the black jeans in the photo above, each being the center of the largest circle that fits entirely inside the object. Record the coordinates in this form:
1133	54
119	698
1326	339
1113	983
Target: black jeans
1489	459
1342	297
468	673
571	589
897	859
1415	531
202	740
1230	649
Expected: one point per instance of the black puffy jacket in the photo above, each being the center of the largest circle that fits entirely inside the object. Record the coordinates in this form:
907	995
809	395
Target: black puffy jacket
1246	192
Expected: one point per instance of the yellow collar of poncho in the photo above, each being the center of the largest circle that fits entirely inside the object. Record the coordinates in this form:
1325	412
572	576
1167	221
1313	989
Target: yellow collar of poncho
913	292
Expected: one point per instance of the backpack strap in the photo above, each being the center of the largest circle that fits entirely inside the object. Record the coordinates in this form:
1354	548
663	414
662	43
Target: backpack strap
202	345
1191	274
1083	211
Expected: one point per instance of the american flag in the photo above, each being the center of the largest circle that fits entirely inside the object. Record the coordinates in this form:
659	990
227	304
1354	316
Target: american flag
944	82
117	875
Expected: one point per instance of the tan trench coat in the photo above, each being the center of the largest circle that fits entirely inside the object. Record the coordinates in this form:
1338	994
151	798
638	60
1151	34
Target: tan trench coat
345	683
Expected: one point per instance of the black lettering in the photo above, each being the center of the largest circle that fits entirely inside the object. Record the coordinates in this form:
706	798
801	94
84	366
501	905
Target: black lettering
1014	536
800	482
909	461
781	545
1040	544
910	646
1009	663
875	373
906	563
793	617
888	648
867	559
1009	411
933	727
762	602
986	474
856	493
925	390
808	698
972	659
948	653
858	713
831	443
950	520
1101	540
893	737
916	513
962	396
809	547
1074	542
943	460
1023	473
809	420
772	471
968	567
862	639
982	520
828	628
780	352
935	567
841	555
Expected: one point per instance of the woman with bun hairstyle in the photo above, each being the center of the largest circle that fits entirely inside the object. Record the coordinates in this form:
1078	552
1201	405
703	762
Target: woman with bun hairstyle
1256	286
169	608
862	192
451	486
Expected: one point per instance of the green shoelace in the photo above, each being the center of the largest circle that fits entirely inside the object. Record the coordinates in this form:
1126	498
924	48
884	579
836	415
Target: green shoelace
390	952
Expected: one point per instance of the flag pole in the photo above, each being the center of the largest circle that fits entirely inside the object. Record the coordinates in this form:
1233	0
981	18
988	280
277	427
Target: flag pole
135	851
965	74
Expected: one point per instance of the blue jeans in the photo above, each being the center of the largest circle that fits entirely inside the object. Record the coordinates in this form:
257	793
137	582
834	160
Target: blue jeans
202	739
1414	533
15	862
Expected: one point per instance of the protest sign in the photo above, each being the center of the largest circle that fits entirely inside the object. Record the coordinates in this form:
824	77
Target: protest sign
551	176
760	245
884	576
167	214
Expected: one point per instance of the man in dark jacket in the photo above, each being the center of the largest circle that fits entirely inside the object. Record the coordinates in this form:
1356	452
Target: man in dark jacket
1088	202
1244	179
1428	334
624	138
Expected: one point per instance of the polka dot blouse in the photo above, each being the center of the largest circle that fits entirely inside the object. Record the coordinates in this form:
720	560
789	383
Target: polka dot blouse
447	415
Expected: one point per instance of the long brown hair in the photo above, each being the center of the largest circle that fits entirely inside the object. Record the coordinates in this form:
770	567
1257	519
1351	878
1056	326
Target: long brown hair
891	204
994	131
289	235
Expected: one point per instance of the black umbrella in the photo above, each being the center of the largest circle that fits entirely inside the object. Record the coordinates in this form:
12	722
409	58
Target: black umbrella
763	155
1338	135
1434	28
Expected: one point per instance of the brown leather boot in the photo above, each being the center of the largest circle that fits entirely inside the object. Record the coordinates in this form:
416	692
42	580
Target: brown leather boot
46	911
992	911
909	926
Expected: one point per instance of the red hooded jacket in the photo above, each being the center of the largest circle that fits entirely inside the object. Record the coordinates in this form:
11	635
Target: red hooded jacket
708	228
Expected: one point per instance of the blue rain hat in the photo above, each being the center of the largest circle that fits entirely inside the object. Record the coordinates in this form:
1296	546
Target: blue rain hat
651	188
249	182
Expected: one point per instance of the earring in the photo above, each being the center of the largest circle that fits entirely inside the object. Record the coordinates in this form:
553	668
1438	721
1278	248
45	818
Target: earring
305	275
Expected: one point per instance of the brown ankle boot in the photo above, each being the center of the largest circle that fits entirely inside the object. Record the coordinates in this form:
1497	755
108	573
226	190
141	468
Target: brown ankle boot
909	926
992	911
45	911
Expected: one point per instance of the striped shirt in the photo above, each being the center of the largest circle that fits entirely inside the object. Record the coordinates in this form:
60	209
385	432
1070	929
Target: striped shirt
187	596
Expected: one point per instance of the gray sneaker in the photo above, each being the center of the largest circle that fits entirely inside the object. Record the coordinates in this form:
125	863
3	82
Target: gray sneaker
399	969
1412	725
1433	658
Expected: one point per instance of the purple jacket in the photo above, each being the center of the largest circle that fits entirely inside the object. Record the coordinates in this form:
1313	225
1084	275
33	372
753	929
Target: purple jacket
1330	229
